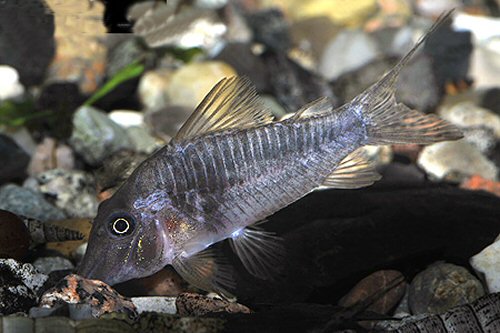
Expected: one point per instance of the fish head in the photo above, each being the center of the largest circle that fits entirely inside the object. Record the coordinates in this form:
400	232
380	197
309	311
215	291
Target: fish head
125	242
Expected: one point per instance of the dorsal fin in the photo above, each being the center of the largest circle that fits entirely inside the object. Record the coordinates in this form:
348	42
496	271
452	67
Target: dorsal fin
319	105
232	103
354	171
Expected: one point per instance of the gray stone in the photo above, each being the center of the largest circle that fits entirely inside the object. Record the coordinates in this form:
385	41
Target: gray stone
349	50
24	201
156	304
95	136
487	264
442	286
444	158
46	265
467	115
142	141
73	191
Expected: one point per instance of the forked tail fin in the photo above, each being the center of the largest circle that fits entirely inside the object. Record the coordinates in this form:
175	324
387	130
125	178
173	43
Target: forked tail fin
388	121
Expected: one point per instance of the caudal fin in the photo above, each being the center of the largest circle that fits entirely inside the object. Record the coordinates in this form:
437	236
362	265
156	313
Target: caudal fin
388	121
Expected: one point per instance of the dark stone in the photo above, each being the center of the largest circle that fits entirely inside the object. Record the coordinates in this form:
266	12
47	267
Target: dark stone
14	160
450	52
61	99
27	38
246	63
417	86
334	238
270	28
14	236
293	85
491	100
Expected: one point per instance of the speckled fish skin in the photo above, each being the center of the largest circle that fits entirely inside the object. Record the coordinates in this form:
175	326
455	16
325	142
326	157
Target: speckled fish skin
204	188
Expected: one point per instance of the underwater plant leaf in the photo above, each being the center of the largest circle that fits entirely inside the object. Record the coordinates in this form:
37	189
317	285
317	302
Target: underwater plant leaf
128	72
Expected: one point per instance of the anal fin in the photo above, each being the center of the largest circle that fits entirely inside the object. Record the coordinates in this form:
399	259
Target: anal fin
260	251
207	271
355	171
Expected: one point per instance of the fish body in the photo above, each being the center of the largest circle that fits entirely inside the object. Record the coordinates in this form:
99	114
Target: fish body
231	166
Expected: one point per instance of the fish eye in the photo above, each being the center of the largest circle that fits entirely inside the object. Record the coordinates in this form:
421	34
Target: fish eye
121	224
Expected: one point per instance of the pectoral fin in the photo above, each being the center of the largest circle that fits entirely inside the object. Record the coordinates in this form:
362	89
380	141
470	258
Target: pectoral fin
206	271
354	171
260	251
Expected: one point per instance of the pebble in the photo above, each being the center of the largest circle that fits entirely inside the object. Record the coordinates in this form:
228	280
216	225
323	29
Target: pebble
78	290
442	286
191	304
485	63
386	288
26	202
14	236
156	304
343	12
95	136
46	265
444	158
191	83
378	155
19	284
467	114
73	191
349	50
483	138
50	154
153	87
10	87
487	264
434	8
14	160
270	28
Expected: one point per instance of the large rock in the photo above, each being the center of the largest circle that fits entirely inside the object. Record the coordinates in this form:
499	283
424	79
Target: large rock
24	201
14	160
487	264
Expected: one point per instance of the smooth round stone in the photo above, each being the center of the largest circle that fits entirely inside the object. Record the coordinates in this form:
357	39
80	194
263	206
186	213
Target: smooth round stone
349	50
95	136
9	83
443	158
127	118
191	83
467	114
47	265
344	12
442	286
153	88
14	236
